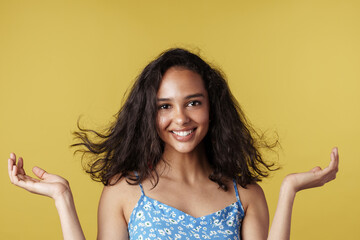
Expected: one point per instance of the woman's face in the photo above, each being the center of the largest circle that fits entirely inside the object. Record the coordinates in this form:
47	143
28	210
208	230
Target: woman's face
183	110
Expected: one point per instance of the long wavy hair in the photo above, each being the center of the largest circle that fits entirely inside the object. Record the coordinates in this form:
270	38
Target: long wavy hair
132	143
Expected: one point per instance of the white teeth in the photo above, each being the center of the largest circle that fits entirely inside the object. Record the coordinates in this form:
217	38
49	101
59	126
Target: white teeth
183	133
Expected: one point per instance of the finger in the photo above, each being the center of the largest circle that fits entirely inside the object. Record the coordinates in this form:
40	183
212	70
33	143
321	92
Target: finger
22	181
15	170
332	157
21	177
10	168
334	163
39	172
315	169
14	176
18	179
13	156
11	160
20	165
335	150
329	172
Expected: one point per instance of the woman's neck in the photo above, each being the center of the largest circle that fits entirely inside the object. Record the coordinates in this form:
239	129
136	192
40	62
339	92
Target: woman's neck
186	167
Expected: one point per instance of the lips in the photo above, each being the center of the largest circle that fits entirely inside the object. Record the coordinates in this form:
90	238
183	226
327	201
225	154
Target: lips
183	135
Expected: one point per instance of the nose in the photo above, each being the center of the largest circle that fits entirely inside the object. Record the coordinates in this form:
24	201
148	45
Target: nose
180	116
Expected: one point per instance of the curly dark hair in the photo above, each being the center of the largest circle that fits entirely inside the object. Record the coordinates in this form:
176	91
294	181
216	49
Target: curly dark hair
132	143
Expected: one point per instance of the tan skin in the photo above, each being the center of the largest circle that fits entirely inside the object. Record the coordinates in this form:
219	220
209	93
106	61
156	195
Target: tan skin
185	176
183	105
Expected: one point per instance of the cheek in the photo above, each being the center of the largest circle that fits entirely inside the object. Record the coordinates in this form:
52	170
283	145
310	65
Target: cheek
204	116
205	119
161	122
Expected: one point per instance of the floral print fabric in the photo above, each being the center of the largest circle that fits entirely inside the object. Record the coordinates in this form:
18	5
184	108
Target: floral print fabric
152	220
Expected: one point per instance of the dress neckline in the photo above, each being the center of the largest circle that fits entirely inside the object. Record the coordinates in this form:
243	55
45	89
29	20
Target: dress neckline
238	202
187	214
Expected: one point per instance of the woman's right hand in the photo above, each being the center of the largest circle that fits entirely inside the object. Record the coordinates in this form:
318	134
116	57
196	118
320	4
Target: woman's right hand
48	184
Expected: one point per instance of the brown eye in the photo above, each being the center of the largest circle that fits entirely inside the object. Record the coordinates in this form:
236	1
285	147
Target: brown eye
164	106
194	103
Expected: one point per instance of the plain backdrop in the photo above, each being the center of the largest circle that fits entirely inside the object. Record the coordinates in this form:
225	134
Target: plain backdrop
292	65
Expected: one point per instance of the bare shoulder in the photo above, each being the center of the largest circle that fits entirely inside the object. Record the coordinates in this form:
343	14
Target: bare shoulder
252	194
119	191
116	204
121	196
256	221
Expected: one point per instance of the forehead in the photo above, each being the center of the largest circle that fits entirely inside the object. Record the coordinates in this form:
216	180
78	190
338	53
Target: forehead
178	81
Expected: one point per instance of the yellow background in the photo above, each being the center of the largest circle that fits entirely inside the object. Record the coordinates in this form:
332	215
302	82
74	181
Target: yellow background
294	66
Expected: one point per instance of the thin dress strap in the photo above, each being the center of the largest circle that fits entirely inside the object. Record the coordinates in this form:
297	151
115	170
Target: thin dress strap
142	190
141	187
236	190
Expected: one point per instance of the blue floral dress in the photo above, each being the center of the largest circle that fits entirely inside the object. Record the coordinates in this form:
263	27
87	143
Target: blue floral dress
152	220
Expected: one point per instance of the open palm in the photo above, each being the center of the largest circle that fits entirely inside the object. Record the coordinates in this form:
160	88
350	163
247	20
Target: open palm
316	177
45	184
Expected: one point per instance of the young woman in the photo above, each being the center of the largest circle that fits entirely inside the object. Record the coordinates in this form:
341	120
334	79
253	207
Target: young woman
180	162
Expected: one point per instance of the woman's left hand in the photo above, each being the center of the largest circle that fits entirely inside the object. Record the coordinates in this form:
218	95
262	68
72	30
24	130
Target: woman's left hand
316	177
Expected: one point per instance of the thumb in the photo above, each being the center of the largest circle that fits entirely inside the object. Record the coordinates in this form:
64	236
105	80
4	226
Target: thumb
315	169
39	172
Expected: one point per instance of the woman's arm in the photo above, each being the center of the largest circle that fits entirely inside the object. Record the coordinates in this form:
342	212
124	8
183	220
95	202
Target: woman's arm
293	183
256	222
111	219
52	186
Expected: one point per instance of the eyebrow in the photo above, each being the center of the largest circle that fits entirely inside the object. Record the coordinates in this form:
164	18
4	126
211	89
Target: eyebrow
187	97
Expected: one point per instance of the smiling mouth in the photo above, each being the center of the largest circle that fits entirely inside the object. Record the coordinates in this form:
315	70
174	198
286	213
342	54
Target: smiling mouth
183	133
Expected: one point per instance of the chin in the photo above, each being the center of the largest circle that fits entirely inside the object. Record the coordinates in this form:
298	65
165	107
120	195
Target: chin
184	149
